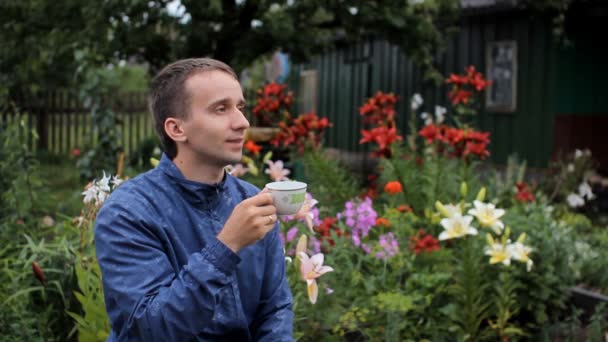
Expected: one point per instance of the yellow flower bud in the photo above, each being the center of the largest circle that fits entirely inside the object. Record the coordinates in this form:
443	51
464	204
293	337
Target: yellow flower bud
489	239
267	156
250	165
521	238
464	189
505	236
481	195
442	210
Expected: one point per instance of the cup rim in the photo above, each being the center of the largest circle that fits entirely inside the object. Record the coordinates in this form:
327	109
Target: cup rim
276	186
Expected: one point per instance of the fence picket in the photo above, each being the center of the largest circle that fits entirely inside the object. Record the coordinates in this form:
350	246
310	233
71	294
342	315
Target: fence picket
62	123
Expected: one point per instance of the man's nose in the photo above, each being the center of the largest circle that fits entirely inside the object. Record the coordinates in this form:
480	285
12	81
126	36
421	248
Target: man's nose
241	121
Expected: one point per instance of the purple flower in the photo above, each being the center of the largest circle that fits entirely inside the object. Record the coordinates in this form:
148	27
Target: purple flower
291	234
356	239
366	248
360	217
316	245
390	246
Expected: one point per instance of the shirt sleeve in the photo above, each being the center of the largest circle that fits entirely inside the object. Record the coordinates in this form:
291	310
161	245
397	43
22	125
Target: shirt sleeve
146	298
274	318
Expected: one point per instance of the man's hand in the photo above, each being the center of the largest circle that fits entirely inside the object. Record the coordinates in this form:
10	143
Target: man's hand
249	222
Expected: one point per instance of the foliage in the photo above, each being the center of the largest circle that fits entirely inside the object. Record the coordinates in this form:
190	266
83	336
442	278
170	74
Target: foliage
592	259
19	181
331	183
156	33
146	149
504	181
96	93
94	325
566	173
42	39
548	286
32	310
425	181
557	9
435	251
34	247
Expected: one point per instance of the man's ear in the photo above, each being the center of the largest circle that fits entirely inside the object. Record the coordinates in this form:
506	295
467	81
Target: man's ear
175	129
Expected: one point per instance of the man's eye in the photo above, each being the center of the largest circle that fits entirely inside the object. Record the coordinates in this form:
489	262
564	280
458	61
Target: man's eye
220	109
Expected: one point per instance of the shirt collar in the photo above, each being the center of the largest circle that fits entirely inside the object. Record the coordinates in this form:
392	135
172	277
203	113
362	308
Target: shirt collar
196	192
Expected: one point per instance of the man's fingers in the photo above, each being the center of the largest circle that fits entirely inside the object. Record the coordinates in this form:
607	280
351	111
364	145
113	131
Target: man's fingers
266	210
270	219
261	199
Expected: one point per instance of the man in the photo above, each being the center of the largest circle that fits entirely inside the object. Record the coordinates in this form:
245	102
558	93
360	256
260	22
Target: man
188	252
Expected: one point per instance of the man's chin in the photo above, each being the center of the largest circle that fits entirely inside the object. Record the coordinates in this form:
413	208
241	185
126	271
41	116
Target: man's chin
234	159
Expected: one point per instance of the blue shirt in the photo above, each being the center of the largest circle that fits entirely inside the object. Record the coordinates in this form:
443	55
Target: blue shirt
166	277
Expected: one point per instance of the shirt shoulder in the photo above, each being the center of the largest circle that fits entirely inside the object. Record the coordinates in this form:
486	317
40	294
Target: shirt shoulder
138	194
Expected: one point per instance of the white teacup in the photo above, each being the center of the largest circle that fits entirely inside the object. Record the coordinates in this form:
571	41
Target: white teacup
289	196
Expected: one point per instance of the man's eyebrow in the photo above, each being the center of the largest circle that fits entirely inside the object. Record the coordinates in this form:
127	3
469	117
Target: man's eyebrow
224	101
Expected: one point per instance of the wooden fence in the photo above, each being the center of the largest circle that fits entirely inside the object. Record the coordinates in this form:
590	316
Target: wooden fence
63	124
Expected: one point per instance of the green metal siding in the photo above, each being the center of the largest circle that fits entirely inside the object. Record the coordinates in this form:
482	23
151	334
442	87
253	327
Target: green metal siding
582	86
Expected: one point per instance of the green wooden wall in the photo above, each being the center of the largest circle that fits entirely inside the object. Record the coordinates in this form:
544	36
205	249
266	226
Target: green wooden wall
350	74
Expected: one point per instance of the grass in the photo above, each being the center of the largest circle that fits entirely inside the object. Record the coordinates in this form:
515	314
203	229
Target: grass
62	187
61	191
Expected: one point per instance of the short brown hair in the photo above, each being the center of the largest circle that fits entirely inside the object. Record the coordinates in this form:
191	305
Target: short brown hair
169	98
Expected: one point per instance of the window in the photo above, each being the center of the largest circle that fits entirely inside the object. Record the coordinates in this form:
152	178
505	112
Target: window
501	63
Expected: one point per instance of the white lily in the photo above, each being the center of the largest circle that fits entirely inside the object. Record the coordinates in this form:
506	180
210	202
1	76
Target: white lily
488	215
498	252
453	210
521	252
440	114
448	210
416	101
104	183
575	201
427	118
116	181
570	167
457	226
90	194
584	190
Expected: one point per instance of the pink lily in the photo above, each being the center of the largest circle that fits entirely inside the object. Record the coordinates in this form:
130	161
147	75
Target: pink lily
237	170
306	213
311	269
276	170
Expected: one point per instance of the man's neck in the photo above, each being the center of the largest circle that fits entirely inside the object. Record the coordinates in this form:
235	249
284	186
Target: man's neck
194	170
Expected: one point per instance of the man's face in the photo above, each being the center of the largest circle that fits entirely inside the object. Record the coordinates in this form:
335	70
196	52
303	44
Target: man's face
216	126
